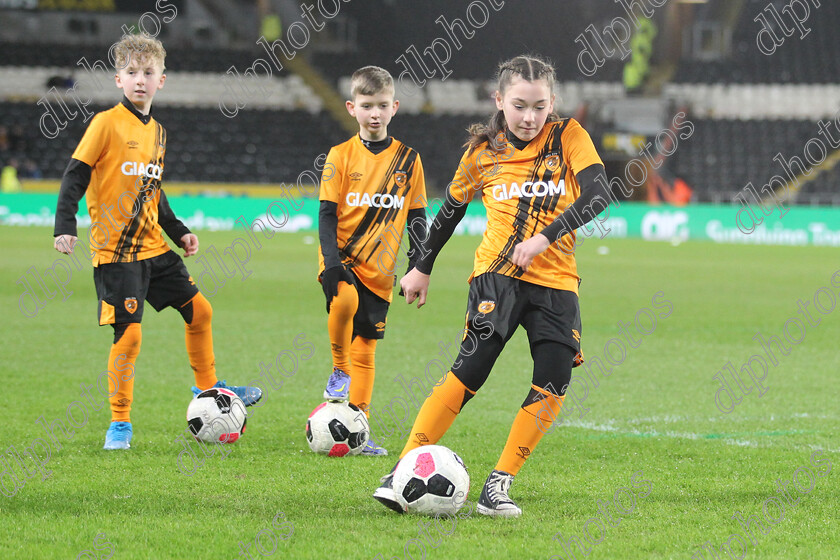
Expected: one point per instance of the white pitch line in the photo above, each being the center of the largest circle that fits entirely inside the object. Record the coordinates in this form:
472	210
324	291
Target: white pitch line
610	425
673	419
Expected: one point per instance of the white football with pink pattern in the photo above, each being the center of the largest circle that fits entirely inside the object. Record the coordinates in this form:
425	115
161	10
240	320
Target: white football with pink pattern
431	480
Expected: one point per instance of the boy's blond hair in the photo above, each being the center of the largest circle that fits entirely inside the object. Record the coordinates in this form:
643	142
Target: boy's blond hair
370	80
138	47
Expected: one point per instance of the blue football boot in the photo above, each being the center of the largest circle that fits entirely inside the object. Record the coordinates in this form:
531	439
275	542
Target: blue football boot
373	448
249	395
118	436
338	387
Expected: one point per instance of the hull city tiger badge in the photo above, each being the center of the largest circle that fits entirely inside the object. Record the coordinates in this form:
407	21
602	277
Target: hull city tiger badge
486	306
552	161
400	178
131	305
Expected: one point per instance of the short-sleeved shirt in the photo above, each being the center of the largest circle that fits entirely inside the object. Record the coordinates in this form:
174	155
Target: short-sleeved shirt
126	159
374	193
523	191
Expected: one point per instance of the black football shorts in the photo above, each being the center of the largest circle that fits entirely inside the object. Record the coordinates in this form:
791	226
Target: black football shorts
122	288
502	303
372	314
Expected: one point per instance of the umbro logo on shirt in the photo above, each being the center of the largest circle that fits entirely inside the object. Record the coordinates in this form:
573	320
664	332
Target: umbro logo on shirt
132	144
355	176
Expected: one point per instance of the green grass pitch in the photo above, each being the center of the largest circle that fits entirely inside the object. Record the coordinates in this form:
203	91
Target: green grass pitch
654	413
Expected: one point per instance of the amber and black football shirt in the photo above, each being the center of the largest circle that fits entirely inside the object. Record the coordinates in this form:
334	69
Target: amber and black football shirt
524	191
373	194
124	151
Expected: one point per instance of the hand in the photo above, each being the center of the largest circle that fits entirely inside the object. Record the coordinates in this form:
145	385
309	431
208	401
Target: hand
330	279
189	242
64	243
415	285
525	252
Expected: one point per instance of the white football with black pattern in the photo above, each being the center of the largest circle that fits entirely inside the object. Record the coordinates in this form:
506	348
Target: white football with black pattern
337	429
431	480
217	415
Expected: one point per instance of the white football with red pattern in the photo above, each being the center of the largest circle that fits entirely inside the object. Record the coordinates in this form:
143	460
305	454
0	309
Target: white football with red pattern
337	429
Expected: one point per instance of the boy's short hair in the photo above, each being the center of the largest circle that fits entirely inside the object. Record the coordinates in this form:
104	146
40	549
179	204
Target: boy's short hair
370	80
138	46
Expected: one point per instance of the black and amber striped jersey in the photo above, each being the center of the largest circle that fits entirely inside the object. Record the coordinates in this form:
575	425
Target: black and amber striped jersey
523	191
373	194
124	150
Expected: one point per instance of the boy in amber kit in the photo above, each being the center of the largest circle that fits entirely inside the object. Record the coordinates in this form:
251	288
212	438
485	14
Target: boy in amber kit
372	186
119	165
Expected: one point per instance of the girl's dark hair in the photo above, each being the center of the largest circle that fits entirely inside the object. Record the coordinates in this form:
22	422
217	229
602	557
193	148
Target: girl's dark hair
530	68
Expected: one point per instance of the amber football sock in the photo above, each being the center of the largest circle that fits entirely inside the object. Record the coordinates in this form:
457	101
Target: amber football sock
438	412
198	315
340	324
363	371
121	361
532	422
